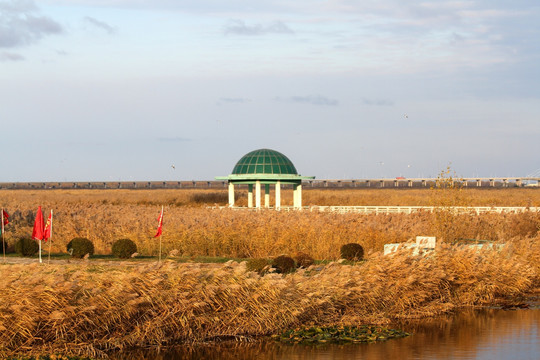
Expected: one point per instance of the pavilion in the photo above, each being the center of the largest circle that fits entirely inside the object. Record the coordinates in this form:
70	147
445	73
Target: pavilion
265	167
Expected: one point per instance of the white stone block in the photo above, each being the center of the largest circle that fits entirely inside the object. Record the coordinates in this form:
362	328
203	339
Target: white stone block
390	248
426	242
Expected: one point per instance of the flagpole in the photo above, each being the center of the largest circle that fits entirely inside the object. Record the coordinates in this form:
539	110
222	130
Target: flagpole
50	238
159	261
3	239
160	233
39	229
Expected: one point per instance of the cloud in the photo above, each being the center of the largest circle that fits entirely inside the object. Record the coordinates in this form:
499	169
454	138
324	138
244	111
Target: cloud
235	100
173	139
20	24
15	6
238	27
5	56
310	99
377	102
100	24
193	6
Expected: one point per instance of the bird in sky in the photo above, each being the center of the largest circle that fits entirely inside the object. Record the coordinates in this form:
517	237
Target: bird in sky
173	167
406	116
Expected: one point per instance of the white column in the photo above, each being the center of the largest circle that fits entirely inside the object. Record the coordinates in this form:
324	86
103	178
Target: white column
278	195
297	196
266	195
231	194
258	194
250	195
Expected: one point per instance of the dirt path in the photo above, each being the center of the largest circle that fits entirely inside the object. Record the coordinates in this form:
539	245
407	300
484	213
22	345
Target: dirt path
25	260
100	262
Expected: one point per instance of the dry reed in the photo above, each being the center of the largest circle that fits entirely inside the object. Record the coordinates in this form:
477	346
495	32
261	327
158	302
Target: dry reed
84	309
194	230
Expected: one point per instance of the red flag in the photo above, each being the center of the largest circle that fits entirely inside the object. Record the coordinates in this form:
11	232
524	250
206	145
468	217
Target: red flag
5	216
160	224
47	232
37	233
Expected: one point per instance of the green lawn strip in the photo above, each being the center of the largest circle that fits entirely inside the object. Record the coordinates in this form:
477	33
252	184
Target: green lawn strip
150	258
48	357
139	258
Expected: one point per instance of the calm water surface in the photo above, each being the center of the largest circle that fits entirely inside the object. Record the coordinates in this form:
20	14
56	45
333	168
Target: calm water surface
487	335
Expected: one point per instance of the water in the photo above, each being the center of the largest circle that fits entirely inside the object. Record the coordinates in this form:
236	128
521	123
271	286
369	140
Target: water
483	335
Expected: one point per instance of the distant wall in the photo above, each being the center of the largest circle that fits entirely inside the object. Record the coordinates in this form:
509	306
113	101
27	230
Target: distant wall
213	184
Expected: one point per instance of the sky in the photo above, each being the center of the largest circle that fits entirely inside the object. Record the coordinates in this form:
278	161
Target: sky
121	90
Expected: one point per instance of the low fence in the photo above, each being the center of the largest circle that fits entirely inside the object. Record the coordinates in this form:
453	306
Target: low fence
403	209
413	209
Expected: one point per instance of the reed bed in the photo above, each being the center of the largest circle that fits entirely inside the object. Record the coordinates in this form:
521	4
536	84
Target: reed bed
331	196
245	234
192	229
90	310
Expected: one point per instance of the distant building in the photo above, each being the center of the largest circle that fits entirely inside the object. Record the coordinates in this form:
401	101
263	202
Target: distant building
265	167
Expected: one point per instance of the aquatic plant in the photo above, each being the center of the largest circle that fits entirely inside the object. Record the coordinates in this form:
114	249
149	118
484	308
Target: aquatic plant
339	334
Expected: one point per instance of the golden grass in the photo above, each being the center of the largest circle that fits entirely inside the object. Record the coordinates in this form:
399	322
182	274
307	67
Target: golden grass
194	230
422	197
84	309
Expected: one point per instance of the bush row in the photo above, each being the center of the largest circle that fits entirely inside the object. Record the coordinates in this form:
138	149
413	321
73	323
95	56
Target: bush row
78	247
284	264
124	248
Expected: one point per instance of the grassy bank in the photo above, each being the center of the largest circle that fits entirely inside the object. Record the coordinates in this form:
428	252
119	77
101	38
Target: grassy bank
89	309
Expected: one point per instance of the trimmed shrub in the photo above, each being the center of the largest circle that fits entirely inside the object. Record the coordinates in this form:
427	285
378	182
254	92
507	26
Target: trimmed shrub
26	247
303	260
69	246
352	252
10	248
124	248
284	264
260	266
79	247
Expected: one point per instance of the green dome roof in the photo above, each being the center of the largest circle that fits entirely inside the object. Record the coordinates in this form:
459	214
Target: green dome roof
264	161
